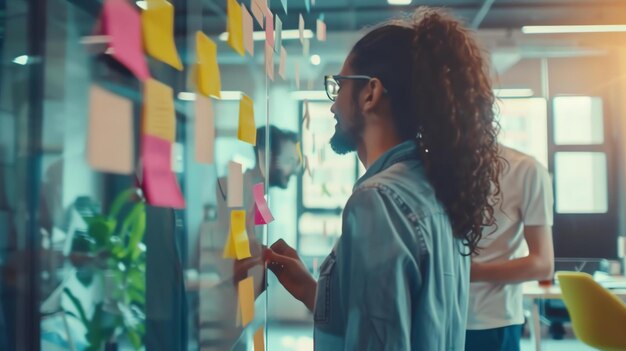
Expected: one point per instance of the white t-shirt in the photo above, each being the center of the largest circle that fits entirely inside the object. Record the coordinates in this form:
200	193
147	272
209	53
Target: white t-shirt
527	199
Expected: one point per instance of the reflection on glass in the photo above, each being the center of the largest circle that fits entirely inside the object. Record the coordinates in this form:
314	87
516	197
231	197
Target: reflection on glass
523	125
581	182
578	120
318	233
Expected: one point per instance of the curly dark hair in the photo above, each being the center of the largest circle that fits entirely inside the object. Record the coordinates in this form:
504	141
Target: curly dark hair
441	96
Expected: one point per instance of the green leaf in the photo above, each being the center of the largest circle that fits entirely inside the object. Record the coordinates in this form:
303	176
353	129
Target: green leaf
134	337
121	199
78	305
136	236
100	228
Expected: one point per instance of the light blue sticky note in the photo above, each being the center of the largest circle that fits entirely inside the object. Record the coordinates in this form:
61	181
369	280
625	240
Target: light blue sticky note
278	34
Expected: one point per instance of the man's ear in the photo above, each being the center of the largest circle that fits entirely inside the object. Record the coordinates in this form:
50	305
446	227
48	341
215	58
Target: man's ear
372	94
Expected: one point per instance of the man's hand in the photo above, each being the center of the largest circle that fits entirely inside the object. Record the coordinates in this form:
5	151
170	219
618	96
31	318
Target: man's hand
284	261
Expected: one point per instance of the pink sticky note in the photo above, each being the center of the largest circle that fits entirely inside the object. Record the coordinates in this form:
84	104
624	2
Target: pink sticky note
122	24
159	182
269	61
321	30
269	28
262	213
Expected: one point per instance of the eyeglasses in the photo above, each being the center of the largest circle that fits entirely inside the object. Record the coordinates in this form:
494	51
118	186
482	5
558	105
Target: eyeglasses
332	84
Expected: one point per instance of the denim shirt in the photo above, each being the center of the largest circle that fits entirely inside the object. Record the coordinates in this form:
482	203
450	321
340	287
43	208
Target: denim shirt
396	280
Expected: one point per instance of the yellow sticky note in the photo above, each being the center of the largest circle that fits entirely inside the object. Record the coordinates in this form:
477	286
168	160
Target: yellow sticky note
157	23
208	73
159	119
246	300
299	151
247	128
229	247
235	27
238	234
259	340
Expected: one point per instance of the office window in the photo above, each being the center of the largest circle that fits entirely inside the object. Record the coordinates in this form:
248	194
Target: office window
581	182
578	120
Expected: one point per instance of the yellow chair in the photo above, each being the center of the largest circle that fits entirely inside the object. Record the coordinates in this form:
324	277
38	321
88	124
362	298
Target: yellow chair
598	317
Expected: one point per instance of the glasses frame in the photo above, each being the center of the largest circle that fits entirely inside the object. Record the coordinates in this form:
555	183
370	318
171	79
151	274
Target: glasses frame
338	77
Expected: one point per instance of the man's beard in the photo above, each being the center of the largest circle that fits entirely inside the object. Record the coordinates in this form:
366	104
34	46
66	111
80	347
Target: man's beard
345	141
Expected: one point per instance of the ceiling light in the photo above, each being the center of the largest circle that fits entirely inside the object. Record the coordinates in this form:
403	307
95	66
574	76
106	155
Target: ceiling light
289	34
513	93
21	60
315	60
225	95
309	95
142	4
399	2
574	29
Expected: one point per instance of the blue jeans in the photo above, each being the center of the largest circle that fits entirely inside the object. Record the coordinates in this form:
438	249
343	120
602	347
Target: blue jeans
497	339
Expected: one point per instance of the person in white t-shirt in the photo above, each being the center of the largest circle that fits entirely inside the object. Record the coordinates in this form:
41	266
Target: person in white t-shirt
516	249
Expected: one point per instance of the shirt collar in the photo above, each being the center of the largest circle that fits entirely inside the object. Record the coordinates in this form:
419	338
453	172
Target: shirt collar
401	152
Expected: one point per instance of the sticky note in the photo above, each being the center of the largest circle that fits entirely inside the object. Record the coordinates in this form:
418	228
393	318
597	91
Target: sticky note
159	185
297	75
283	62
110	146
269	28
262	213
246	300
235	185
204	130
248	41
305	47
235	26
158	110
208	79
284	2
158	32
247	128
237	241
122	23
257	11
278	34
299	151
321	30
269	61
259	339
301	28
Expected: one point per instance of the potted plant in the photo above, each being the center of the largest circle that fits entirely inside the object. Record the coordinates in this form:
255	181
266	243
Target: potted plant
113	242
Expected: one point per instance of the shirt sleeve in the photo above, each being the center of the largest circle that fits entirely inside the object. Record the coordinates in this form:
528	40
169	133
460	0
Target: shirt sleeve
377	274
538	199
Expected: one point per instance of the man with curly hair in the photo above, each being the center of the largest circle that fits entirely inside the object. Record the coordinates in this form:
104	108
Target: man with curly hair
414	100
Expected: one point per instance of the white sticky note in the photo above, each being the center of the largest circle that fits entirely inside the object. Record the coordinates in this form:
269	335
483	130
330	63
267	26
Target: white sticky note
301	28
321	30
283	63
235	185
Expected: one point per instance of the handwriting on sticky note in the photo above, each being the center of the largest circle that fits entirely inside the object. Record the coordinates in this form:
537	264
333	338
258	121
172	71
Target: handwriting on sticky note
158	32
283	63
247	128
158	110
159	182
262	214
235	27
235	185
259	339
238	234
269	61
110	146
208	74
122	23
246	300
248	41
205	130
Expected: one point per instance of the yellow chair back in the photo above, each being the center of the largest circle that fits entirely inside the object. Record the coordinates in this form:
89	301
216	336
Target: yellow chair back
598	316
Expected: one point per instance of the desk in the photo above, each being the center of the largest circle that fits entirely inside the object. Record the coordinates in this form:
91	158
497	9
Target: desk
535	294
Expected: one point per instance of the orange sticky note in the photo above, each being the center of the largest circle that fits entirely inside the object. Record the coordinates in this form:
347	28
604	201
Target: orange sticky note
205	130
122	23
248	41
259	339
158	110
247	128
257	11
158	32
235	27
321	30
246	300
283	62
269	61
110	143
208	80
235	185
